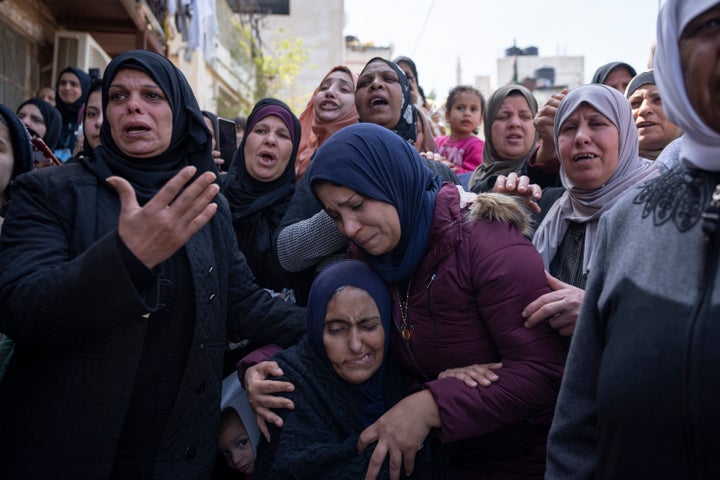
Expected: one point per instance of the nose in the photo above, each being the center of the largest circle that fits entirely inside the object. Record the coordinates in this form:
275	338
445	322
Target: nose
354	341
350	227
133	103
271	137
514	121
376	82
645	108
582	134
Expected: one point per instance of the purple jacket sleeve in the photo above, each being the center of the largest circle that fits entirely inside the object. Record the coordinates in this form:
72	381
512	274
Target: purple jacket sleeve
505	281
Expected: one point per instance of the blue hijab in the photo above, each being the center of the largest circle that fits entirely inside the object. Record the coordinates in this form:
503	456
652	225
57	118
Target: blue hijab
351	273
378	164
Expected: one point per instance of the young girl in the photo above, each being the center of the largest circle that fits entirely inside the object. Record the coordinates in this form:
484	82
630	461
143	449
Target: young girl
462	150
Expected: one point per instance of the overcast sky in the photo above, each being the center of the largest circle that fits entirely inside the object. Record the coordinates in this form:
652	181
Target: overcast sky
479	31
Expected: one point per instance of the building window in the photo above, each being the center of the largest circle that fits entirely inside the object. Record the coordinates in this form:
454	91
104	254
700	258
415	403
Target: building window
264	7
15	68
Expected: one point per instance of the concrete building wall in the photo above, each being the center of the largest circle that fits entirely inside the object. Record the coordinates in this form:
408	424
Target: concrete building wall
319	23
569	71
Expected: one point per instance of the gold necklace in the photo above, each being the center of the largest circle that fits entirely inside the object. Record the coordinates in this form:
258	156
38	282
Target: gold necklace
405	327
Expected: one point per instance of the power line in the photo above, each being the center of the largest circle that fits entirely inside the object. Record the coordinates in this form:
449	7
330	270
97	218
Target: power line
422	30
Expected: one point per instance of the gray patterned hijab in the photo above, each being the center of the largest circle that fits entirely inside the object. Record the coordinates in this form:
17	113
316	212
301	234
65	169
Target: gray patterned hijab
493	163
586	206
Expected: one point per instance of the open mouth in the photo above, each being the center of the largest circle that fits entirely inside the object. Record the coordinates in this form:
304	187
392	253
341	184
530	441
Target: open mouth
135	128
378	101
584	156
645	124
266	158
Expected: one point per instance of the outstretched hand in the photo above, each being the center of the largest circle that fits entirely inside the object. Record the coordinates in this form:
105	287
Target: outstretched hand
260	394
560	307
158	229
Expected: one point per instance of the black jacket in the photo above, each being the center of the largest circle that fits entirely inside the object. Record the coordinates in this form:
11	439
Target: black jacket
79	322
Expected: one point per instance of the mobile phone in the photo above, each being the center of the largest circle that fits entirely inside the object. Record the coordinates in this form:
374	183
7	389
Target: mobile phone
42	155
226	139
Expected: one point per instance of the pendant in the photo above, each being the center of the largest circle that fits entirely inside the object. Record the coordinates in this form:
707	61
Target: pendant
405	332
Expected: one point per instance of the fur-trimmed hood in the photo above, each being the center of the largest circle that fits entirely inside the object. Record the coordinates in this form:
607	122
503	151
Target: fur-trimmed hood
500	207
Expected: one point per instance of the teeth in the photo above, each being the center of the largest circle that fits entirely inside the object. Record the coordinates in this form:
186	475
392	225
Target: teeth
585	157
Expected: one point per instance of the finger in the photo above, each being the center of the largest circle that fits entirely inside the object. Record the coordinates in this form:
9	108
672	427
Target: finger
376	461
196	196
170	190
273	386
500	183
262	426
511	180
533	313
395	463
270	417
409	461
367	436
561	321
554	283
523	183
128	200
268	367
271	401
567	331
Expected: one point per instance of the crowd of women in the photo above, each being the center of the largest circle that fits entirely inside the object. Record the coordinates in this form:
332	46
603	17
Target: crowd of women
400	301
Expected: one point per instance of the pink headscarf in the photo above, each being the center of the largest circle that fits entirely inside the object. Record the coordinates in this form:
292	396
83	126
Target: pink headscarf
315	131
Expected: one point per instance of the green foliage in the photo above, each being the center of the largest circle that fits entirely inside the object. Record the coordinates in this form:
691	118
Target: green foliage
265	68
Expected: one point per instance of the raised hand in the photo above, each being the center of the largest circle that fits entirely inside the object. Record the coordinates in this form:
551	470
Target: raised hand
158	229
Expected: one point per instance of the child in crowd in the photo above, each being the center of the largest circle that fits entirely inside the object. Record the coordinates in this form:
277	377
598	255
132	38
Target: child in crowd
462	150
239	433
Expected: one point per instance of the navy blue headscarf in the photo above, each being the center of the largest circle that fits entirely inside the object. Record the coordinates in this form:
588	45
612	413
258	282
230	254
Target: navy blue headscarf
351	273
376	163
52	119
190	143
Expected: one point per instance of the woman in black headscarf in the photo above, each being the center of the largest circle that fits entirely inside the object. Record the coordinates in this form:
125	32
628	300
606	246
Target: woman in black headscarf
71	90
132	253
614	74
260	184
48	126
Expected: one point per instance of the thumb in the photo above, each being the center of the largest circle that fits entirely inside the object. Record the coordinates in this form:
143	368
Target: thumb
125	191
554	283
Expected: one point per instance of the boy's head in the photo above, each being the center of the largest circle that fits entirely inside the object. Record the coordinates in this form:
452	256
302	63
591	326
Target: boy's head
234	442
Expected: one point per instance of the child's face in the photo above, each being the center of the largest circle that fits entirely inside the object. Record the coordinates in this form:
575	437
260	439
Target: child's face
465	114
235	446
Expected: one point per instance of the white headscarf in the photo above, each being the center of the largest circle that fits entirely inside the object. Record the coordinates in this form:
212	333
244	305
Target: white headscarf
586	206
700	145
